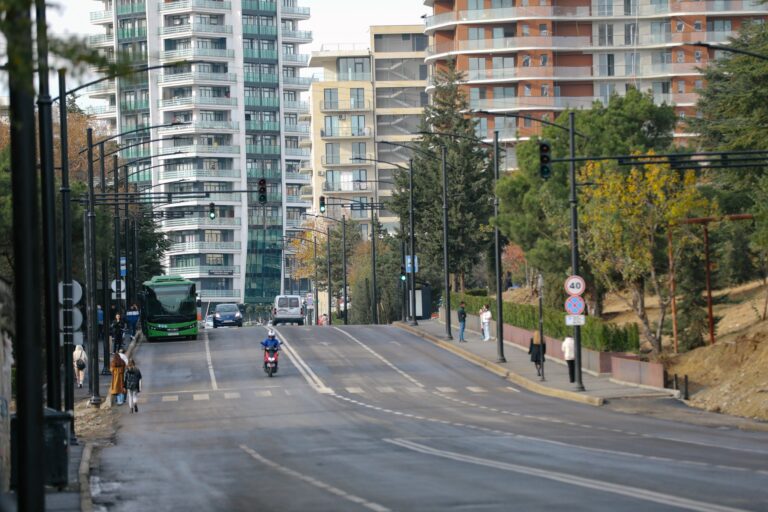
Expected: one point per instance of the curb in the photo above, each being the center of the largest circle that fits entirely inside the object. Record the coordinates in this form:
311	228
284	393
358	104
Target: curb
503	372
84	477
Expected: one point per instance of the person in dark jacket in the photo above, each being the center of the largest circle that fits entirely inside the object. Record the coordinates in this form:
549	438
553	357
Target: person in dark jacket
537	348
132	381
462	314
118	328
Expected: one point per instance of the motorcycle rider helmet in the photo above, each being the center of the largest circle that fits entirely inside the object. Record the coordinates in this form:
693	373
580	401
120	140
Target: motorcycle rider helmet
271	333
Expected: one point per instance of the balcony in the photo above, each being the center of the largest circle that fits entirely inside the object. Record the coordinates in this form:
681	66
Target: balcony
345	106
347	161
255	101
297	82
98	17
346	186
195	28
352	76
106	87
202	221
200	148
298	201
297	128
259	220
296	152
131	106
296	105
259	30
271	174
261	78
294	223
101	111
199	173
261	149
346	133
534	103
302	36
263	126
196	4
219	294
206	270
296	58
101	39
203	125
295	177
254	5
137	33
133	153
197	77
197	52
448	19
198	100
294	12
255	53
131	8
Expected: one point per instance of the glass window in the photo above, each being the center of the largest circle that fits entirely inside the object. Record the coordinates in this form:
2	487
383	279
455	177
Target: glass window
605	7
630	34
605	34
331	98
357	97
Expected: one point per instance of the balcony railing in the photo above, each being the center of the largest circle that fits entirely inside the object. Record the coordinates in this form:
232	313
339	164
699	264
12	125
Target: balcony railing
259	30
264	78
302	129
264	126
297	58
135	33
219	293
255	53
255	101
98	111
102	87
293	10
346	132
296	152
197	75
350	160
304	35
261	149
255	174
346	186
198	52
200	172
296	105
352	76
201	126
204	270
129	106
101	16
101	39
131	8
200	148
344	106
202	221
296	177
297	81
188	4
198	100
254	5
258	220
204	28
296	200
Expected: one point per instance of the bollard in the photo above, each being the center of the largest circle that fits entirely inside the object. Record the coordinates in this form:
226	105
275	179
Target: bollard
685	388
675	384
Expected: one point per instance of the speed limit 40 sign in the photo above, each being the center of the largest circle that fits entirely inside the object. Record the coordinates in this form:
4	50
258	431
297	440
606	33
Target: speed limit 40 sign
575	285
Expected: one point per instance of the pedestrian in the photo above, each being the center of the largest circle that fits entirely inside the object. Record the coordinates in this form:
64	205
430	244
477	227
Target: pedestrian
569	352
325	319
132	319
117	328
118	375
537	348
462	315
100	320
132	382
80	362
485	318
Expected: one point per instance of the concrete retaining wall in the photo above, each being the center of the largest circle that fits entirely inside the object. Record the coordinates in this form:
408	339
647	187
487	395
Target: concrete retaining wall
627	369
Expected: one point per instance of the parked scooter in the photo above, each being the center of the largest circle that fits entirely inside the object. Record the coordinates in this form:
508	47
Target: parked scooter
270	360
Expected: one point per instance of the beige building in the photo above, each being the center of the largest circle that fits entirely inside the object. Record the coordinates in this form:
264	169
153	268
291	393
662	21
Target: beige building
368	95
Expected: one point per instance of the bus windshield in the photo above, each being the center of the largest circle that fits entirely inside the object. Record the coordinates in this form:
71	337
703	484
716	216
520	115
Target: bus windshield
171	303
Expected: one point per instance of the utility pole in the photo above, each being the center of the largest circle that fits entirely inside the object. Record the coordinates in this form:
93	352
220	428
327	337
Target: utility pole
344	265
330	287
446	276
497	256
574	239
374	305
90	272
413	243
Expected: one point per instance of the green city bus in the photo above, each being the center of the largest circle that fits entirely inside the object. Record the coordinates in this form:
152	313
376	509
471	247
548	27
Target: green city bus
170	308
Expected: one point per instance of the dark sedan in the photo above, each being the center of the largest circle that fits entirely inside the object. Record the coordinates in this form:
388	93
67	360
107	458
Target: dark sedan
227	314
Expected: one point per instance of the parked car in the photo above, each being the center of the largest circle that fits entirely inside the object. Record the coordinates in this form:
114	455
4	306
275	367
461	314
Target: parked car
227	314
288	309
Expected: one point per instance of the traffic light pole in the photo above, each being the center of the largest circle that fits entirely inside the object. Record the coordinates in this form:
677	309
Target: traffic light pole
116	221
574	239
330	287
374	303
344	265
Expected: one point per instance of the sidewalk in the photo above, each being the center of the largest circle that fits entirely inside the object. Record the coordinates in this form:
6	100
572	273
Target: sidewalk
519	369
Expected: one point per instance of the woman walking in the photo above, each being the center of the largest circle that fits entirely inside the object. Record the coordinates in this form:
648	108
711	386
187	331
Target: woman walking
80	362
133	385
537	348
118	375
485	318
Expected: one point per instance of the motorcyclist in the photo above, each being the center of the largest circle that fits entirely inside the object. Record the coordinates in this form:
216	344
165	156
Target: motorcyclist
270	342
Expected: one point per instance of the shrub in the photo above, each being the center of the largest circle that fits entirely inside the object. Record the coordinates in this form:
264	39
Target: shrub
477	292
596	334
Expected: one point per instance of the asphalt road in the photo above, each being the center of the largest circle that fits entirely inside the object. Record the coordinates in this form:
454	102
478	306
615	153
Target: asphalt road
364	418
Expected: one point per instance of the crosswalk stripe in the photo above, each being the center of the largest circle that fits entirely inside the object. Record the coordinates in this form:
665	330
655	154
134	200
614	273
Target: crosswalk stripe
201	396
171	398
231	396
264	393
476	389
446	390
386	389
355	391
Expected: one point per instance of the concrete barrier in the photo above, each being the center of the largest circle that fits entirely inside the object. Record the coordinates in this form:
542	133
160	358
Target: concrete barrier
630	369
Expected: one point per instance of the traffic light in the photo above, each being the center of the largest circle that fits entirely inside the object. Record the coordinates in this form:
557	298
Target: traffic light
545	157
403	275
262	191
212	211
322	204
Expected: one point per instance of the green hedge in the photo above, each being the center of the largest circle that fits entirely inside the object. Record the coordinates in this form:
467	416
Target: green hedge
596	334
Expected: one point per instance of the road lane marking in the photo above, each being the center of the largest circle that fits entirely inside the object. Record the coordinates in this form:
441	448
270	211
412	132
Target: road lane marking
231	396
476	389
201	396
445	390
170	398
355	391
381	358
312	379
385	389
314	481
263	394
415	390
569	479
214	385
510	388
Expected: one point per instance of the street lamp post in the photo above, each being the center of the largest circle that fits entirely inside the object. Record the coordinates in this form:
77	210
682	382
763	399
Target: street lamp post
411	221
344	266
574	237
330	293
374	304
446	276
497	257
90	273
541	320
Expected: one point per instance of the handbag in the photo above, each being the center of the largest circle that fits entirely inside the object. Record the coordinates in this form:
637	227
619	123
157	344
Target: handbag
120	398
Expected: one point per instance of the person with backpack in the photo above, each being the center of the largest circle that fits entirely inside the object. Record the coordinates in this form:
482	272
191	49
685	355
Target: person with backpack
132	382
80	363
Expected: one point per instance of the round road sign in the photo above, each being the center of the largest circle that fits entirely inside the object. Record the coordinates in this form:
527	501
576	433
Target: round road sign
575	285
574	305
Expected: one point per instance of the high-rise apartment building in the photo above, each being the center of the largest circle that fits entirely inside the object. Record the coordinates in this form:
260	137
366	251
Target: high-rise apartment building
237	105
539	57
367	95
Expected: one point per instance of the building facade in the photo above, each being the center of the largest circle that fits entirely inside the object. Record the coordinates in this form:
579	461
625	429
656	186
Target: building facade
232	119
538	58
369	100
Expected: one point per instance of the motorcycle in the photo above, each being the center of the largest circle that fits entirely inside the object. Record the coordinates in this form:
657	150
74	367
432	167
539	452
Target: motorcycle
270	360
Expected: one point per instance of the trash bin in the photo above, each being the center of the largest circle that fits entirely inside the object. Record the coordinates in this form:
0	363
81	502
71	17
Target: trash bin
56	437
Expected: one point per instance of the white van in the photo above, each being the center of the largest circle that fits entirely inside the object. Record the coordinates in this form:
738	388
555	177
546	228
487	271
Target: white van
288	309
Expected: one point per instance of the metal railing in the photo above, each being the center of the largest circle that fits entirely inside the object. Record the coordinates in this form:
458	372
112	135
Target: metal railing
206	270
344	106
205	28
200	172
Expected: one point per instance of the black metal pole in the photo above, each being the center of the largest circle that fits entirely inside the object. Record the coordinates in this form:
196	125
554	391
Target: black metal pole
497	257
446	276
330	287
314	256
413	243
136	266
374	304
403	284
129	292
541	321
574	239
106	295
116	223
29	400
344	265
66	258
93	328
53	377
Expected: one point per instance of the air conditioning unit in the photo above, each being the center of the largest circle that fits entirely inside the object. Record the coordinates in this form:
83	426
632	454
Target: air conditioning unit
342	118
